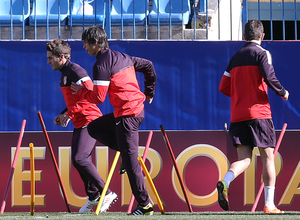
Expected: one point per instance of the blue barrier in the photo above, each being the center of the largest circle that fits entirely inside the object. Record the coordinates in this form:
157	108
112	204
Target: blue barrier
187	94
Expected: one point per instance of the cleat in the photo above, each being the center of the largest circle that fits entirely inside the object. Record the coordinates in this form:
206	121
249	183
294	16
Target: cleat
147	210
109	199
122	169
223	195
89	205
272	211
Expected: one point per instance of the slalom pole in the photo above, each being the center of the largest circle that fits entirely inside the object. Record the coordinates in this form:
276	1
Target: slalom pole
176	167
144	159
54	160
32	179
112	169
13	166
161	208
275	152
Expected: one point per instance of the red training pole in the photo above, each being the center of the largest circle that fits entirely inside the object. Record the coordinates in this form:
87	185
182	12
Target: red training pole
54	160
13	166
275	152
144	159
176	167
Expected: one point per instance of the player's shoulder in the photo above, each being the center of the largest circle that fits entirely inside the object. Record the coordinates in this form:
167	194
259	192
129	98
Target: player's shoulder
261	50
77	69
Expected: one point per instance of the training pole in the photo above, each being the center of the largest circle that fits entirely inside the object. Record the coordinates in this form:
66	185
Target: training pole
275	152
144	159
54	160
13	166
176	167
161	208
112	169
32	179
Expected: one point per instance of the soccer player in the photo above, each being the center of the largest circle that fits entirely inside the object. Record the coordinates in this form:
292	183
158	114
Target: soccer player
81	112
115	73
246	80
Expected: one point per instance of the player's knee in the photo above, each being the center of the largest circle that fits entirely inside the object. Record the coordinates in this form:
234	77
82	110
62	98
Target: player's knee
78	161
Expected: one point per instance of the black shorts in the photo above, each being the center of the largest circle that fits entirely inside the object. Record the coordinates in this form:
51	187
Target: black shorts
255	133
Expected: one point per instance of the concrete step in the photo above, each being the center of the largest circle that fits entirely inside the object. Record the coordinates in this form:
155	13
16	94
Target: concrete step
177	33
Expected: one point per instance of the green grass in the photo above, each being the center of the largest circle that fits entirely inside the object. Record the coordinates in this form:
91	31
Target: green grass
169	215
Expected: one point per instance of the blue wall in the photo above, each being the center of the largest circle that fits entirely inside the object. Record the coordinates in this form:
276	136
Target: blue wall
187	95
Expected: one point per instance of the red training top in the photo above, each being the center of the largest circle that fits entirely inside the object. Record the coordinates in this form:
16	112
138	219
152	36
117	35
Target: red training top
246	80
79	110
115	73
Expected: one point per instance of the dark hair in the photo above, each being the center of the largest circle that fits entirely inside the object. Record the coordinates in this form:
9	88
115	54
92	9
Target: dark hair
253	30
94	33
58	47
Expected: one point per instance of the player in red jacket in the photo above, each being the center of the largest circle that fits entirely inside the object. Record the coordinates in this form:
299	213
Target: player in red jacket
81	112
246	80
114	73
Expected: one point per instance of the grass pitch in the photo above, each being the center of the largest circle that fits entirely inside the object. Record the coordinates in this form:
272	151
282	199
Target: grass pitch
157	215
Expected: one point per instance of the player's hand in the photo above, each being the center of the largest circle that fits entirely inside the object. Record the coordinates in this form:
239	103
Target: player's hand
76	87
150	99
286	96
56	120
64	119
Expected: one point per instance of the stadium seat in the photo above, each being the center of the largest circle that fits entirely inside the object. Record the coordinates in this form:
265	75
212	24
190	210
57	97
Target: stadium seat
180	12
94	13
56	12
17	12
141	11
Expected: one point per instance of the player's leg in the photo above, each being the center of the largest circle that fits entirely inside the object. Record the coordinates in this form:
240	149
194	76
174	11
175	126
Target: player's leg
242	140
236	168
269	178
269	175
268	171
128	141
82	146
244	153
265	139
79	145
103	129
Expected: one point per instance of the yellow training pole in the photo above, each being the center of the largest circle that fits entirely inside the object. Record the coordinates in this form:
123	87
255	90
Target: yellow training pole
32	179
112	169
161	208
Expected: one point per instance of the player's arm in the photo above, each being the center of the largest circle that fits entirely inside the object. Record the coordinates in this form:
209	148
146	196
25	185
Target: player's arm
99	89
225	84
269	76
63	111
80	105
147	68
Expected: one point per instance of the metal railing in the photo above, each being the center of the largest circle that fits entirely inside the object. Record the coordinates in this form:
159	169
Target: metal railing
207	20
280	17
